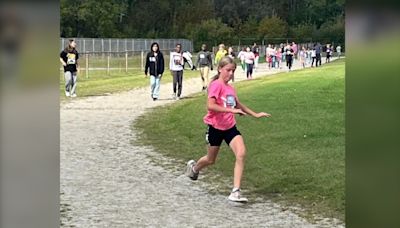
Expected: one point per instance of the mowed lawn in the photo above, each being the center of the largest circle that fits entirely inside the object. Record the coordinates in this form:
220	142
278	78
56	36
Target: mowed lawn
100	83
296	157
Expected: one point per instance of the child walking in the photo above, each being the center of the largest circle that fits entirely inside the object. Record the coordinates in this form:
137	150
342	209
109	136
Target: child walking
204	63
222	105
154	66
249	59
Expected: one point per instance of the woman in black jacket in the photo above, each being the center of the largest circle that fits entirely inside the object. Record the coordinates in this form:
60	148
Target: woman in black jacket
154	68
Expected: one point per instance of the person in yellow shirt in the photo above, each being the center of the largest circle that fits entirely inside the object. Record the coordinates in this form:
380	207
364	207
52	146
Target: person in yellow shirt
220	54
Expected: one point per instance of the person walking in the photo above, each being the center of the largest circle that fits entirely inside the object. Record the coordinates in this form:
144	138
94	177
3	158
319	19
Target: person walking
269	55
295	51
155	67
278	58
289	56
314	57
338	51
302	56
241	57
232	55
204	63
222	105
256	52
69	59
318	51
308	59
176	63
328	53
249	60
220	53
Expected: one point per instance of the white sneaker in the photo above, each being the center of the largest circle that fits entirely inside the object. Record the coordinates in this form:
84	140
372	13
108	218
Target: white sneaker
173	96
67	94
73	95
235	197
177	98
189	170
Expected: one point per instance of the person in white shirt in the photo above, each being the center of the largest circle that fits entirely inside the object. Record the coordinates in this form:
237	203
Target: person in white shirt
339	51
313	56
241	57
249	59
176	63
268	55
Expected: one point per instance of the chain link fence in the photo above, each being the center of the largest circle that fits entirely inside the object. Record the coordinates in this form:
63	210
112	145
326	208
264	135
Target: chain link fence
85	45
119	55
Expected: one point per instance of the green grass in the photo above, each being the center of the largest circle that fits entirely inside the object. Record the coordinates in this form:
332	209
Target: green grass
295	157
99	83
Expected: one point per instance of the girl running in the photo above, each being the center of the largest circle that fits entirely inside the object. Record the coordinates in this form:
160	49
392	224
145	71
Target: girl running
222	105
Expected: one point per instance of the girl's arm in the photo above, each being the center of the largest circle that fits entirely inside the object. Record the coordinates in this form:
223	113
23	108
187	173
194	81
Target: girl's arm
213	106
171	60
62	62
247	110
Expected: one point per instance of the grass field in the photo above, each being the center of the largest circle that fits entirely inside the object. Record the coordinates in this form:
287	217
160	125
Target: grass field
100	83
296	156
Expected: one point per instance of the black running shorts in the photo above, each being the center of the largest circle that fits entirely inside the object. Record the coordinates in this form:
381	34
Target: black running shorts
214	136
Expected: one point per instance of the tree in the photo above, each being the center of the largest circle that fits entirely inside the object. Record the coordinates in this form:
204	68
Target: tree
91	18
302	32
272	27
211	32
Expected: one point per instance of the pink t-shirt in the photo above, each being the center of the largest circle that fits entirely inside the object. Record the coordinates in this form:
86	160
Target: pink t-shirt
225	96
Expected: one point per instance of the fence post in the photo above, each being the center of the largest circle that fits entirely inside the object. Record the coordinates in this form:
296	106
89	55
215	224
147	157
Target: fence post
108	63
126	61
87	65
142	60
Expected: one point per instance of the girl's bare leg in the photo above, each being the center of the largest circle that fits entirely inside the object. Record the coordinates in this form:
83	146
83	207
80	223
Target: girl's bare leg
208	159
239	149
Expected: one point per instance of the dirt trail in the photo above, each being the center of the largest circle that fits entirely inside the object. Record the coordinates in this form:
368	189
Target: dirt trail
108	182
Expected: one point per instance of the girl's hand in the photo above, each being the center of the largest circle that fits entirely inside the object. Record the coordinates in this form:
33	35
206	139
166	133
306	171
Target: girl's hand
262	114
238	111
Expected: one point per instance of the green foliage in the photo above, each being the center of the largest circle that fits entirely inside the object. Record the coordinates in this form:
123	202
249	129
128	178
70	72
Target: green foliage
90	18
238	20
332	31
273	27
211	32
302	32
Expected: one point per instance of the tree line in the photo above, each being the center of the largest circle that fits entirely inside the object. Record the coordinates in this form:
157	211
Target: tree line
206	21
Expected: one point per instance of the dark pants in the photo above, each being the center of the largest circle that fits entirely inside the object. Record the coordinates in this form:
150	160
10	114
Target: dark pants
177	81
249	72
318	60
313	60
289	62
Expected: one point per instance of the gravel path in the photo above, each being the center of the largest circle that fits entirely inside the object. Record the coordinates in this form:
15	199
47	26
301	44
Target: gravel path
108	182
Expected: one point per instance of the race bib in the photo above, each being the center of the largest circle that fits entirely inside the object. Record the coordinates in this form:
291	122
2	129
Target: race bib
230	101
71	58
152	59
202	56
177	59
